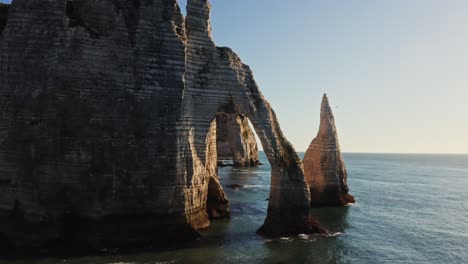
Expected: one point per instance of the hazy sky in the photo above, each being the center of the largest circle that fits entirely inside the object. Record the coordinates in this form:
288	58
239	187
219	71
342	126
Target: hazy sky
396	72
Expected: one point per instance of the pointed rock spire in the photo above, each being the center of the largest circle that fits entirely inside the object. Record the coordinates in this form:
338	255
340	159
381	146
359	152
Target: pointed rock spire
324	167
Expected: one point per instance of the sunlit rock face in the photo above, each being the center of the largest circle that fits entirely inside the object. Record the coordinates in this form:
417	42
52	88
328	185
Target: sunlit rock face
236	141
106	126
217	204
324	167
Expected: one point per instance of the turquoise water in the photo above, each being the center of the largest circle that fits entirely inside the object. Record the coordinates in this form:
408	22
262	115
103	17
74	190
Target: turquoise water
409	209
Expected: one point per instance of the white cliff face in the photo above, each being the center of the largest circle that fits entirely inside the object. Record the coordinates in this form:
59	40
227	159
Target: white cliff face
324	167
108	116
236	141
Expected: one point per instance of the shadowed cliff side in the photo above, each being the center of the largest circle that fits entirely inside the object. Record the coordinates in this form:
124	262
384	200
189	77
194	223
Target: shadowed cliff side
90	93
217	204
236	141
3	16
107	108
324	166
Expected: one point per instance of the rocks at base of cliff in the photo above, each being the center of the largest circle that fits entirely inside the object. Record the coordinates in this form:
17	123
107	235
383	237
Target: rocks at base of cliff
308	225
3	16
324	167
217	205
76	235
236	141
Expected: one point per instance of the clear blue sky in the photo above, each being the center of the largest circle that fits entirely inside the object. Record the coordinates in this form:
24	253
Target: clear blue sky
396	72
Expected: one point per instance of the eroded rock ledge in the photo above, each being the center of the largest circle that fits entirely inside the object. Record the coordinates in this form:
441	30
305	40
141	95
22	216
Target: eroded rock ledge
324	167
106	124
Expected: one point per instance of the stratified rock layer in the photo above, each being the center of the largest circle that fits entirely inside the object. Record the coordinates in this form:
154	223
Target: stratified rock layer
3	16
106	124
236	141
324	167
217	204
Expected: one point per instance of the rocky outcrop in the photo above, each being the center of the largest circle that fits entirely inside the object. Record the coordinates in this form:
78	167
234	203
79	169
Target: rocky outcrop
106	129
236	141
324	167
217	204
3	16
217	81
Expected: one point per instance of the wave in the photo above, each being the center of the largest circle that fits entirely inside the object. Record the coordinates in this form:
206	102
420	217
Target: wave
304	237
334	234
251	172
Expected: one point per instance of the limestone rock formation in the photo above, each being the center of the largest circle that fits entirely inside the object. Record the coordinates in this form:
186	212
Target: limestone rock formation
106	128
324	167
217	204
235	140
3	16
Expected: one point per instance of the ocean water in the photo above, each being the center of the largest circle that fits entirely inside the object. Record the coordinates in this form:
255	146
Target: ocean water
409	209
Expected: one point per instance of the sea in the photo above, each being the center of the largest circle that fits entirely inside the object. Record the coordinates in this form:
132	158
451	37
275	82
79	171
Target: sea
409	208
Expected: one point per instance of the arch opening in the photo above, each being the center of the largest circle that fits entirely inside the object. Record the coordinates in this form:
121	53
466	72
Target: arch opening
235	141
217	204
288	197
232	132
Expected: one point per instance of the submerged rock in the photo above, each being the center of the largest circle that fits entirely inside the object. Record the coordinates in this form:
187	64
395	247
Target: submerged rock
324	167
236	140
106	124
236	186
310	225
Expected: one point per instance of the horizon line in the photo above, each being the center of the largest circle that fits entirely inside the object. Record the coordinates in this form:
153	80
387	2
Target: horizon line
407	153
395	153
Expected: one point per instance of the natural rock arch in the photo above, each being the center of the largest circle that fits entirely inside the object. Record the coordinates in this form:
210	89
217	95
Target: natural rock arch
217	81
108	119
235	140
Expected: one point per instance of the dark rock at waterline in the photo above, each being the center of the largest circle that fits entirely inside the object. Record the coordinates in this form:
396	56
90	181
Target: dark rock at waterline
110	235
223	164
309	225
3	16
217	205
236	186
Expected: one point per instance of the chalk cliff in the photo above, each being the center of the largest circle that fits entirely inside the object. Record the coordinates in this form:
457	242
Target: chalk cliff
236	141
3	16
324	167
107	132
